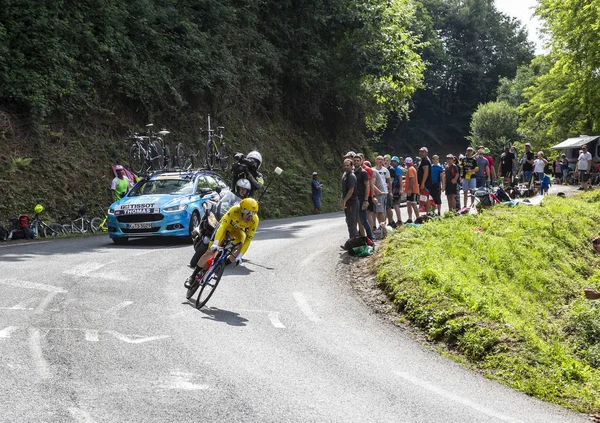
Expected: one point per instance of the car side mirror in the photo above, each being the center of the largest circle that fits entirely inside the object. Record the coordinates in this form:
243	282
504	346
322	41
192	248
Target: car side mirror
205	191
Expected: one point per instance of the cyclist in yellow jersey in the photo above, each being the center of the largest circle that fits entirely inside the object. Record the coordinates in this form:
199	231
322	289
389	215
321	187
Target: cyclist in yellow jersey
240	224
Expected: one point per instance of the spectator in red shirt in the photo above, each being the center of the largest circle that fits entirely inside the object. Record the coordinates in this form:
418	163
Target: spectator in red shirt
486	152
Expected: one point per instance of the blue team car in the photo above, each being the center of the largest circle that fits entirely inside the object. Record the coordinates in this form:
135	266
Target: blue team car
163	204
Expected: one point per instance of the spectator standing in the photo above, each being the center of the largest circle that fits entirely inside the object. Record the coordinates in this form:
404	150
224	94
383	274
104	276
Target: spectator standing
424	176
557	168
120	184
437	183
483	169
469	166
584	166
317	191
373	193
451	177
538	166
491	175
527	163
382	184
397	188
515	172
566	169
411	186
508	162
362	191
349	199
390	199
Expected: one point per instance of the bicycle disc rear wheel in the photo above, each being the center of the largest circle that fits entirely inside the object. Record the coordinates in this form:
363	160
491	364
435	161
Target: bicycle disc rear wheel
192	290
136	158
210	285
224	157
210	155
156	155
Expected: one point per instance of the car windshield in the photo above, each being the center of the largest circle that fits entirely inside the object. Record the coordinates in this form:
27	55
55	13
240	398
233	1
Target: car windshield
164	186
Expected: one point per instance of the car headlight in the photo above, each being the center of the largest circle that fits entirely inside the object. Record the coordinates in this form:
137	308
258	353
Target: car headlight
177	208
111	211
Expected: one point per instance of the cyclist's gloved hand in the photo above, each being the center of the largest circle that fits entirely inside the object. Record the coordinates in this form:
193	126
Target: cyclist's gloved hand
215	246
238	259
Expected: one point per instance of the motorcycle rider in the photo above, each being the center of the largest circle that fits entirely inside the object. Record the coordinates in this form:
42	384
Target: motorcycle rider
240	224
247	167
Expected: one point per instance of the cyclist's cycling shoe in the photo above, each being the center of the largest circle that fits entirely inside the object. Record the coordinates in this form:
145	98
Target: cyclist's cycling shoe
188	282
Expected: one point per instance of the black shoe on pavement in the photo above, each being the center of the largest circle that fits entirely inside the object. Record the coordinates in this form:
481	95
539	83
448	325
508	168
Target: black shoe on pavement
188	282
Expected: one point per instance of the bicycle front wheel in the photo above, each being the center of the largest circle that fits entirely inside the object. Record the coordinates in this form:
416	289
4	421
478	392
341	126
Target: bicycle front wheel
136	158
98	224
208	288
210	155
179	156
53	229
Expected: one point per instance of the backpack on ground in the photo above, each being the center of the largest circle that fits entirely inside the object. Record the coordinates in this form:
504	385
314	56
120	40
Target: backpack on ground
23	221
362	251
358	241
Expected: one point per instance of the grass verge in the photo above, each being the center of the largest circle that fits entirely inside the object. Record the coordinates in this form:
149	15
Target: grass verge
502	290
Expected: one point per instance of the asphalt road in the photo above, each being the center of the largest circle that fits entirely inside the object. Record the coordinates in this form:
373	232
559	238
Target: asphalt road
93	332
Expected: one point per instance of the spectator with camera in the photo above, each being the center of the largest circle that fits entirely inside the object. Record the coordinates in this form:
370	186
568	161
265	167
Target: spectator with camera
246	167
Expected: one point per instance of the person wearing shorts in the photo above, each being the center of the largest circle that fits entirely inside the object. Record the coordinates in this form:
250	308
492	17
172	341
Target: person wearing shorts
451	175
411	186
469	167
436	183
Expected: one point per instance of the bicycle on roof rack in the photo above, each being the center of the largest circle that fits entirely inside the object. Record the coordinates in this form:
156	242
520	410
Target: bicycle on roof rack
217	152
148	150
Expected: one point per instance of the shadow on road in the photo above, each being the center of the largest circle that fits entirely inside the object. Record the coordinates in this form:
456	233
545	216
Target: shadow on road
225	316
278	232
24	251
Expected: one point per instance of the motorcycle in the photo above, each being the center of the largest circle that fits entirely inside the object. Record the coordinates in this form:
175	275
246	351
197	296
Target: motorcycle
214	209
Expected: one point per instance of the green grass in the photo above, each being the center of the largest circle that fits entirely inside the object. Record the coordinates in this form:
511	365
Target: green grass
508	299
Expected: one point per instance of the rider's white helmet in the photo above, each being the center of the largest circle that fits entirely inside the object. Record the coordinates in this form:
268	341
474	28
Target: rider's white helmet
255	155
243	183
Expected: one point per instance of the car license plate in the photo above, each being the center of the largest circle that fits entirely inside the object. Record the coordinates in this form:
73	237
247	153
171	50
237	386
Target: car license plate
140	225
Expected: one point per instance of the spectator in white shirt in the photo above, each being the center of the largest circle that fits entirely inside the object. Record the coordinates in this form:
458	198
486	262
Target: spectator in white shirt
584	166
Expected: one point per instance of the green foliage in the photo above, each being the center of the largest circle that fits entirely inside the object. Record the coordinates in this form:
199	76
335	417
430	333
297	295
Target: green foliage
470	45
493	124
563	101
18	163
508	298
315	59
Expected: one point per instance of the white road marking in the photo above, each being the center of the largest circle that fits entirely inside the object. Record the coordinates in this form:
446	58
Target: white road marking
127	339
180	380
84	269
305	307
24	244
35	348
45	302
5	333
80	415
91	335
23	305
31	285
453	397
274	318
115	309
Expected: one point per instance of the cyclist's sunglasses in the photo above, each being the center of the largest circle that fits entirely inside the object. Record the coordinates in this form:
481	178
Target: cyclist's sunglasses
248	213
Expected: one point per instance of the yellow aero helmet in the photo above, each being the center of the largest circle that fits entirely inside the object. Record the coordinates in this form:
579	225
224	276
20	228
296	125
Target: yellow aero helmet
38	208
249	206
